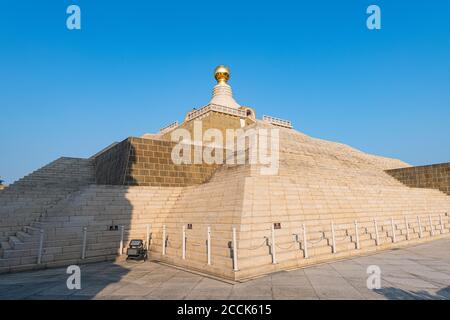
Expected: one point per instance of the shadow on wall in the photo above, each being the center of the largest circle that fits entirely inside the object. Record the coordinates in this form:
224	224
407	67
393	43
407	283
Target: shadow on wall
111	209
106	209
102	277
102	207
400	294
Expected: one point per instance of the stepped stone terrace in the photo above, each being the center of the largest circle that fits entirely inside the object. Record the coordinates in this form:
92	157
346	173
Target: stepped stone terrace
326	201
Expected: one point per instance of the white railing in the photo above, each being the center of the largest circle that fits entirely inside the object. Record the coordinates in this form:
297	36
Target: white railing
171	126
215	107
278	121
381	230
376	232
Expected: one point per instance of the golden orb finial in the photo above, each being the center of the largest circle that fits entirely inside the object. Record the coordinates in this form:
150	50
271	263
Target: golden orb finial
222	73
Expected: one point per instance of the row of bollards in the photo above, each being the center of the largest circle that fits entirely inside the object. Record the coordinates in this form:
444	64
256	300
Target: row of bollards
305	245
84	242
376	231
272	243
41	245
208	244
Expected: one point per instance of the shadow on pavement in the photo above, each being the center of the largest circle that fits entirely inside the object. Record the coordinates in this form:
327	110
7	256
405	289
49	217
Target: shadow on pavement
400	294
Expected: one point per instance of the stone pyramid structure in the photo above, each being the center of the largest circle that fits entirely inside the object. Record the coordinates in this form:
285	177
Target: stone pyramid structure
327	201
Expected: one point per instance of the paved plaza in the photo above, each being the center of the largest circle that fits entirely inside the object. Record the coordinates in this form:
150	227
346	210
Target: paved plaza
419	272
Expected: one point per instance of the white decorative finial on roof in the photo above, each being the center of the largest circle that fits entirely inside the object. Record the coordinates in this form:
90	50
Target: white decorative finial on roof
222	93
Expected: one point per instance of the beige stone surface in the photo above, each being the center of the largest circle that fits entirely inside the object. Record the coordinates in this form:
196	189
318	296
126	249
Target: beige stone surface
318	183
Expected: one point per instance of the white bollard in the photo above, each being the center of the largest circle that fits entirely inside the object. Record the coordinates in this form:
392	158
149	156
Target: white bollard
440	222
147	237
407	228
333	239
274	253
122	228
305	243
420	227
41	246
235	260
209	245
164	240
394	238
83	251
431	225
377	239
183	250
357	235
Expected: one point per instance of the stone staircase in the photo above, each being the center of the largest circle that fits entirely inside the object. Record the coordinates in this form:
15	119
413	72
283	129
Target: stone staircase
30	197
96	208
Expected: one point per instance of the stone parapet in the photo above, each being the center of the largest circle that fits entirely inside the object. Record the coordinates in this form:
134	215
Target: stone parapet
278	122
215	107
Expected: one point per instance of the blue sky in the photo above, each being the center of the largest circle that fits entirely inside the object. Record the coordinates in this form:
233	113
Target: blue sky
136	66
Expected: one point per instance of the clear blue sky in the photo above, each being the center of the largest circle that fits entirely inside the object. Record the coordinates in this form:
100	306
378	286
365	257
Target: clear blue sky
138	65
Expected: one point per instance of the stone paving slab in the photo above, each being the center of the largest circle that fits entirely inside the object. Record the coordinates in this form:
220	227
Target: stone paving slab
420	272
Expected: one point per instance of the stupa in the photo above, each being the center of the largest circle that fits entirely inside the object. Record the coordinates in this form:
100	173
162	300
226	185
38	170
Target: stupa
324	201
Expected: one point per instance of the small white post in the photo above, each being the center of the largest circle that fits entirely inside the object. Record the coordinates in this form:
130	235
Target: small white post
147	237
209	245
420	227
407	228
305	243
333	239
394	238
235	261
357	235
164	241
440	222
377	239
41	246
83	251
274	254
431	225
122	228
184	243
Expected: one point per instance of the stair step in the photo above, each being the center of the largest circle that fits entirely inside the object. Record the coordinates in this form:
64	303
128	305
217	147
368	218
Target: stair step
23	236
5	245
15	242
32	230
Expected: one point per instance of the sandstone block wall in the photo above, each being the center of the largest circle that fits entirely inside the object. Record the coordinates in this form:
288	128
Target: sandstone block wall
436	176
147	162
110	165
